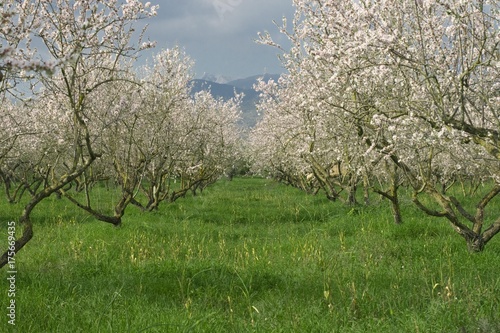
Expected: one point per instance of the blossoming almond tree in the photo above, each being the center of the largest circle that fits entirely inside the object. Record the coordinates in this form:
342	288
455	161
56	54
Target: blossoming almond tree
157	142
164	122
316	143
418	80
18	57
452	67
215	146
115	114
141	146
90	41
193	145
18	61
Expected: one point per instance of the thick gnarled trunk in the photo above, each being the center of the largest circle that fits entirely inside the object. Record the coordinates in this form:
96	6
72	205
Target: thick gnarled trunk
475	235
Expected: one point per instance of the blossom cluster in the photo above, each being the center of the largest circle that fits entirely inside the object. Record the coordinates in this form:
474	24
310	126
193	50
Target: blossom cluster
372	81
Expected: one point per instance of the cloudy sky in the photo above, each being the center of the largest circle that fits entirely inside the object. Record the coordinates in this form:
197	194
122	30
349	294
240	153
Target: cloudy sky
219	35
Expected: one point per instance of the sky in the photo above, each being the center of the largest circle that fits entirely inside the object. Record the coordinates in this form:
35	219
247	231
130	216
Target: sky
219	35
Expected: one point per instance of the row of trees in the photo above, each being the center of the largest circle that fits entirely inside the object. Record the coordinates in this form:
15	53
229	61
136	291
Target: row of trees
89	114
386	93
379	94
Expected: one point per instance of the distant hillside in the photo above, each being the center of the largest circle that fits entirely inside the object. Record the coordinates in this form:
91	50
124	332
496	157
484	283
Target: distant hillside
248	83
216	78
226	92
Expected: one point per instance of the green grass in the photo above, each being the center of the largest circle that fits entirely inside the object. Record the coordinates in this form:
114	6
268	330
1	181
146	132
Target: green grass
250	256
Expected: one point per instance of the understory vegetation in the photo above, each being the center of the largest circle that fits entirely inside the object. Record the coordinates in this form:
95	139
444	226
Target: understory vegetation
251	255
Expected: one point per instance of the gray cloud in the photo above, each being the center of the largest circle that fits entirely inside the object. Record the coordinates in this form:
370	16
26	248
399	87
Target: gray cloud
219	34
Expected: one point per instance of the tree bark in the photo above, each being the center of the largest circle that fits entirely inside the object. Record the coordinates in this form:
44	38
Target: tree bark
475	244
25	221
19	243
393	197
115	220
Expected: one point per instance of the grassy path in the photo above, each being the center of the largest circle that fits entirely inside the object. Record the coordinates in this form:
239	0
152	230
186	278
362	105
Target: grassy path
251	256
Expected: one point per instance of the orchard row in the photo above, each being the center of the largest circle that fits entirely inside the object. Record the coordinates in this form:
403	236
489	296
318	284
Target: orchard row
378	94
386	94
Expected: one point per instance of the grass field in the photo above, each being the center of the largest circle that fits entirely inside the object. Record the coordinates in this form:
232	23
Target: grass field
250	255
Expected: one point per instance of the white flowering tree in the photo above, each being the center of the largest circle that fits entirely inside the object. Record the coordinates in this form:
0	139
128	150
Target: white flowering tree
157	142
163	127
16	169
193	145
143	148
115	113
313	146
278	142
18	57
418	83
90	42
214	139
18	61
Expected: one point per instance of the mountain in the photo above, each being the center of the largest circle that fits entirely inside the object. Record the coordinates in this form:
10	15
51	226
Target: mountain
226	91
216	78
247	83
220	90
